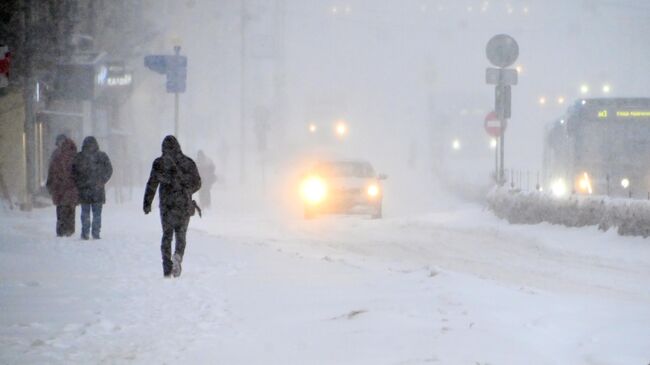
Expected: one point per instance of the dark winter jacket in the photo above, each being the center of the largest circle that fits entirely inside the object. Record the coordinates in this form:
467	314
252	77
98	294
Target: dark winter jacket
60	183
91	170
178	178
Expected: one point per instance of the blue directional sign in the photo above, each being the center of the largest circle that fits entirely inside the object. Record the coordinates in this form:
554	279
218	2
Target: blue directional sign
176	74
173	66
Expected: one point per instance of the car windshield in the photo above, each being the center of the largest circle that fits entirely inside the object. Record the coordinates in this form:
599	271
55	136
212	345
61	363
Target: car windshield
347	169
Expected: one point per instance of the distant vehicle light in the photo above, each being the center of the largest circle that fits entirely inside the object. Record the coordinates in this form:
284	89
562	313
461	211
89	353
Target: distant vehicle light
493	143
606	89
625	183
313	128
455	144
559	188
313	190
373	190
584	184
341	129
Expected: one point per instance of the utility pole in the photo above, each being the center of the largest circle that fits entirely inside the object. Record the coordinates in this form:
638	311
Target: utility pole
242	101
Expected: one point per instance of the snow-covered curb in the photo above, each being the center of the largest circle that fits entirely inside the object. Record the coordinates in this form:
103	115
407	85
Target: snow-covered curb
630	217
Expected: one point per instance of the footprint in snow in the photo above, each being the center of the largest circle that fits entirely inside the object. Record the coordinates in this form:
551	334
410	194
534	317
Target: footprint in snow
350	315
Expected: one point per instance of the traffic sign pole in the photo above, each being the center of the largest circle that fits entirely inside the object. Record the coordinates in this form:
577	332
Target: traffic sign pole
496	160
501	180
176	119
174	67
502	50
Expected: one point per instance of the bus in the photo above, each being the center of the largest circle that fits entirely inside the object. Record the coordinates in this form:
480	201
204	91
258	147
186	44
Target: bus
600	146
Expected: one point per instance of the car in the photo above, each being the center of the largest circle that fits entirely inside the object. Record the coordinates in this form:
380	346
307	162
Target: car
342	186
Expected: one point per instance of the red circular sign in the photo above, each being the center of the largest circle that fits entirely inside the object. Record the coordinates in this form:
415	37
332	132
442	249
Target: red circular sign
493	125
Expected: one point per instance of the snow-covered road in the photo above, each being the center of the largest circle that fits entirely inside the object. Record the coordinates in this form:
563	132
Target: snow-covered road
452	286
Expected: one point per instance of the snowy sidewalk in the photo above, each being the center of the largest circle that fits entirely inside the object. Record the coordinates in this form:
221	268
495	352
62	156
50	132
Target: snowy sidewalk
341	290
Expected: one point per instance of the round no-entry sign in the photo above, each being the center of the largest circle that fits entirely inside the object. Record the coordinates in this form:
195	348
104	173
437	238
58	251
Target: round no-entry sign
493	125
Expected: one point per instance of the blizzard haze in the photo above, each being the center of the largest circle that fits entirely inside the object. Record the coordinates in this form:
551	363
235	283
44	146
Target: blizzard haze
397	72
313	111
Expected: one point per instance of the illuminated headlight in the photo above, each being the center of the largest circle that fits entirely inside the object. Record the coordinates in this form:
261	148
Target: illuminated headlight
625	183
313	190
373	191
455	144
559	188
584	184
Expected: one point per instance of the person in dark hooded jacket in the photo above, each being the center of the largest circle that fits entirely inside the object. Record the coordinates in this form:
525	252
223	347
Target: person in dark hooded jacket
176	178
61	186
91	170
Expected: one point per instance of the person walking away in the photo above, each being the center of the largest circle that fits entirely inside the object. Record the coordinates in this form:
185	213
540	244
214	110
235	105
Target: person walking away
91	170
176	178
61	186
209	177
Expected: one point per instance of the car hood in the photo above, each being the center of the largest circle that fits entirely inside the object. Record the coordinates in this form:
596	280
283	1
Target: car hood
350	182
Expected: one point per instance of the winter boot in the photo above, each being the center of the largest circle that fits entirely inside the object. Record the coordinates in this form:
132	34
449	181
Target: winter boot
176	269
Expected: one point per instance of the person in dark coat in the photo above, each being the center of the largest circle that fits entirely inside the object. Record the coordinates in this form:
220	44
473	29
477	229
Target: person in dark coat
209	177
61	186
91	170
176	178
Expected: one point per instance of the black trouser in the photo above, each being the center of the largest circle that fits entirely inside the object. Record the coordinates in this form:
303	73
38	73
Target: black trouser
172	222
65	220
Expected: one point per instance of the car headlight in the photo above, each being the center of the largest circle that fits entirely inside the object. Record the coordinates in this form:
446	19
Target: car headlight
625	183
313	190
559	188
373	190
584	184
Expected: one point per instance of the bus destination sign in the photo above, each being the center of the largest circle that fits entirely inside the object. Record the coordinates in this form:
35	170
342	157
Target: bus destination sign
602	114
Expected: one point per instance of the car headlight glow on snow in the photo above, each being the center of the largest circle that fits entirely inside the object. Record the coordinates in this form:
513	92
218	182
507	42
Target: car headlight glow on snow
559	188
373	190
313	190
625	183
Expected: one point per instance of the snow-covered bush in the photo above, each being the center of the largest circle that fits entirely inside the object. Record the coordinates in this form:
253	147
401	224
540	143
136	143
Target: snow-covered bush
630	217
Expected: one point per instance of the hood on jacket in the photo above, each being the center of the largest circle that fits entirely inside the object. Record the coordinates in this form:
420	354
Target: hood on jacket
90	145
59	139
68	146
170	146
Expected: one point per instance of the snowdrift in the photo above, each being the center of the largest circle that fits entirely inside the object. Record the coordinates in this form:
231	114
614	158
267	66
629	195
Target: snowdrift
630	217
